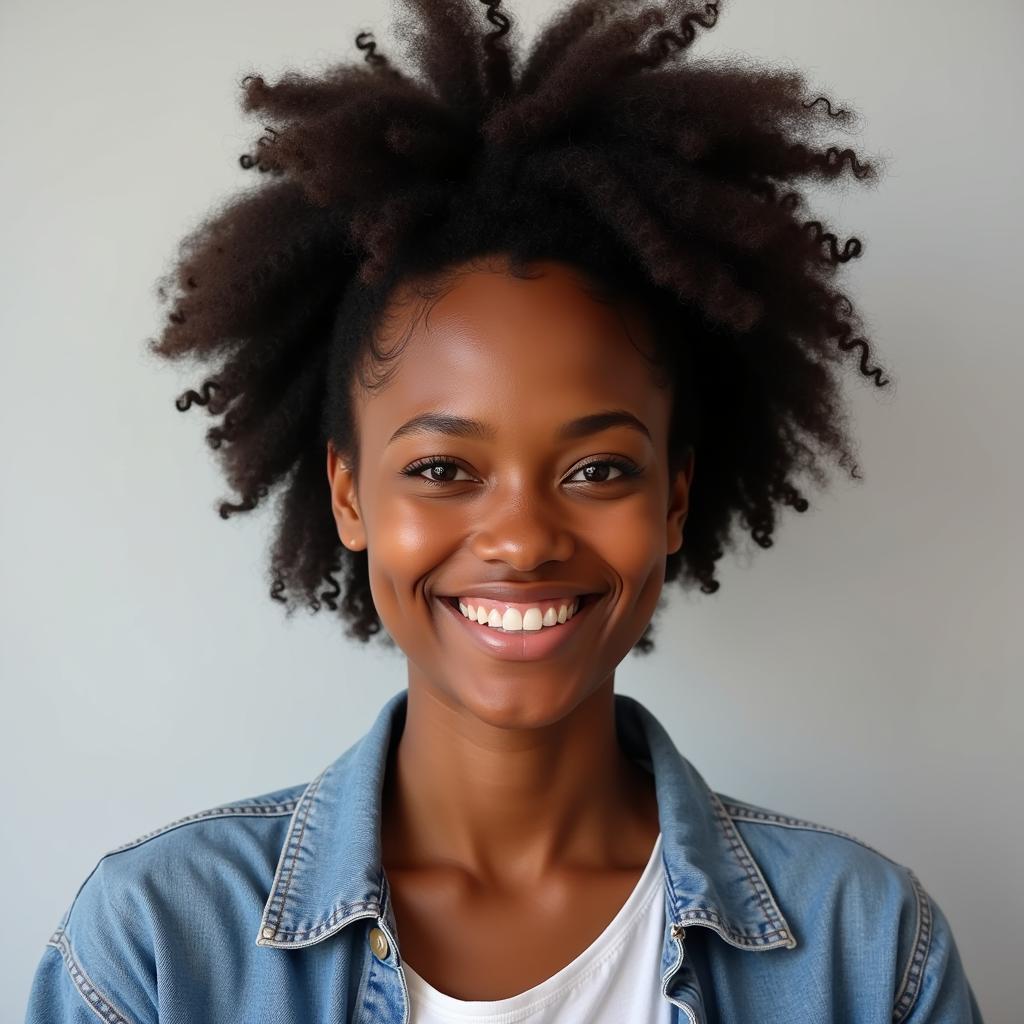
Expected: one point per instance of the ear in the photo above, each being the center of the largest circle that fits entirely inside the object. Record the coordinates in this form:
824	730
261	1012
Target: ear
679	503
344	504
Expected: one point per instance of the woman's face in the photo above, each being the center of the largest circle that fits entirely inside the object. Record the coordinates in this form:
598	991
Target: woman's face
511	365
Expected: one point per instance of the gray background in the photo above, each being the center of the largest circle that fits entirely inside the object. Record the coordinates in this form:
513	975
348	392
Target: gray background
862	673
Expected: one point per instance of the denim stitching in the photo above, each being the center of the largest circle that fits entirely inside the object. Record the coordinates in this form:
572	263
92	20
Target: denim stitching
287	866
747	812
326	924
716	924
911	983
722	927
98	1003
742	854
224	811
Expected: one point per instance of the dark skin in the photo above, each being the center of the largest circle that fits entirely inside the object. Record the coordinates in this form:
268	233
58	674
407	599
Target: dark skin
514	826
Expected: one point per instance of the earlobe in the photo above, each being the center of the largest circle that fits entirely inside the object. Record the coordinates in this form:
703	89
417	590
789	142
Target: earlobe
679	504
344	504
675	534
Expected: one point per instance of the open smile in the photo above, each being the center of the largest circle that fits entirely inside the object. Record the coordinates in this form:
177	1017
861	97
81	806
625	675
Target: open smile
522	644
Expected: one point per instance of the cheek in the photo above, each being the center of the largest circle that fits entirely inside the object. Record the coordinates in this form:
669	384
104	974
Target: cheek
408	541
630	536
631	541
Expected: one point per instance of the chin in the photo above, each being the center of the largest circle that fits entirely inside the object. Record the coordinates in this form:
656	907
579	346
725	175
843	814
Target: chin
523	703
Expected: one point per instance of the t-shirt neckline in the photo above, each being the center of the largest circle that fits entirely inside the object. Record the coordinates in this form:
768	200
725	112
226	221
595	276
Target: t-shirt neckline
522	1004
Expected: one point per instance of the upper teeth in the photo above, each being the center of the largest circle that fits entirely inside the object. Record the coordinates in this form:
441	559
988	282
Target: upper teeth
513	619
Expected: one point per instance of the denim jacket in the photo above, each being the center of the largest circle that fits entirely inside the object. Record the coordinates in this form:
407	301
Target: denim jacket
276	909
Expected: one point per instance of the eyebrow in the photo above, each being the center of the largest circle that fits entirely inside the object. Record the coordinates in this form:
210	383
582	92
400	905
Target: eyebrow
461	426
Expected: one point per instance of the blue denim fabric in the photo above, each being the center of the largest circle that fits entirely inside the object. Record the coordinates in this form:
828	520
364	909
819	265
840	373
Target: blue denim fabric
272	909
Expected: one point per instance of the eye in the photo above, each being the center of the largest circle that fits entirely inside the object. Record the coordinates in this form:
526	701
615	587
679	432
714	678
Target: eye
438	465
623	466
433	463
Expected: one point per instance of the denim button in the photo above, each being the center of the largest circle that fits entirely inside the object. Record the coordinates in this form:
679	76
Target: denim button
268	933
378	943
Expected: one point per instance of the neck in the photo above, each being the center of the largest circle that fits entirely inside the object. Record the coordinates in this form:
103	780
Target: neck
509	806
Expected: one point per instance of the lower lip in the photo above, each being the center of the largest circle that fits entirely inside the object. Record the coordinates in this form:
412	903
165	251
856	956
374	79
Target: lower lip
527	644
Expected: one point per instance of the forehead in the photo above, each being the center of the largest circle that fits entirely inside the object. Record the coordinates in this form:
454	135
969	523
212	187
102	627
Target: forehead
502	346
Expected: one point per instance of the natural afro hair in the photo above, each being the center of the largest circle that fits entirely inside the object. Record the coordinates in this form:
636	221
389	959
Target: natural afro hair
606	146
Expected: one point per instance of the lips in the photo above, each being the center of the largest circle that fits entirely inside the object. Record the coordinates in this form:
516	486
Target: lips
522	645
525	602
524	594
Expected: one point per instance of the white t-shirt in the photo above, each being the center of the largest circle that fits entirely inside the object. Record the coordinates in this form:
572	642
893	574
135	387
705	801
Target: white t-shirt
616	978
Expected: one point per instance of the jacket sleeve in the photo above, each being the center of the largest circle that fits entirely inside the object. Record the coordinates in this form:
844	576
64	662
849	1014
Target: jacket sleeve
61	993
95	966
935	989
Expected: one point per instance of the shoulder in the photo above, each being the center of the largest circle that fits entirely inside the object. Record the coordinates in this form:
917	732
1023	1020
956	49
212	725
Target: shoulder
841	892
206	846
213	833
809	844
811	856
157	892
828	865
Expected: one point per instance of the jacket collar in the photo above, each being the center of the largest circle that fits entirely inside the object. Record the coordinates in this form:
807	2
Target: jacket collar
329	868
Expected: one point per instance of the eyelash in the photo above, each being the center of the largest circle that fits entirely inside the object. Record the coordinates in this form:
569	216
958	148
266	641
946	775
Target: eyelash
628	469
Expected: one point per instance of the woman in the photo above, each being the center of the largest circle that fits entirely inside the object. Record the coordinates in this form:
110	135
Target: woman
543	316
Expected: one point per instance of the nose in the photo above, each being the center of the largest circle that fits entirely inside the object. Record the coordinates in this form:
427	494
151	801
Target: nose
524	532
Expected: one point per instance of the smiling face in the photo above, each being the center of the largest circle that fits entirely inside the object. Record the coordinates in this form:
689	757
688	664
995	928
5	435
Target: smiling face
561	485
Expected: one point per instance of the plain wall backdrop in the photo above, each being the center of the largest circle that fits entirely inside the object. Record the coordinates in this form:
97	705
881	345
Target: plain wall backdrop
864	672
